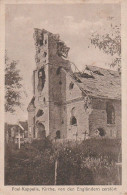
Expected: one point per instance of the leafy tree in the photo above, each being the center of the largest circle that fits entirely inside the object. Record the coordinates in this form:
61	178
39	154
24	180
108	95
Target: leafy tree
12	85
109	42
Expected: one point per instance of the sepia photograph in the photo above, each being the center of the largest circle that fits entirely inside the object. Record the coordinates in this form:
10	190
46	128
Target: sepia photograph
63	119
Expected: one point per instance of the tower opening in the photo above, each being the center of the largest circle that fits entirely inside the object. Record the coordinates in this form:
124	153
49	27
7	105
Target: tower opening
41	79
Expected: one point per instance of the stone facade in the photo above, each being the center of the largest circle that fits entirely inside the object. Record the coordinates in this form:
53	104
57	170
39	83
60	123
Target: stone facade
62	108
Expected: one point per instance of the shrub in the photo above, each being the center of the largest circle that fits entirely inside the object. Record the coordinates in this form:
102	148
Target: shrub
92	162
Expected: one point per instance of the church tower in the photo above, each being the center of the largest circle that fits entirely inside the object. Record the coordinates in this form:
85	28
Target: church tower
49	86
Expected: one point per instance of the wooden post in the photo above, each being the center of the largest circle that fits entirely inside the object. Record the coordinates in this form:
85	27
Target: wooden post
119	168
76	136
85	134
56	165
19	144
7	137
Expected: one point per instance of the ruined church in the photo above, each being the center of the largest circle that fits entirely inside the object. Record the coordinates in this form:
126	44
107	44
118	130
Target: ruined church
67	103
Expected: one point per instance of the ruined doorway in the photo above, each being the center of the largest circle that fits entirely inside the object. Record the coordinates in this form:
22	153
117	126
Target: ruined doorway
41	133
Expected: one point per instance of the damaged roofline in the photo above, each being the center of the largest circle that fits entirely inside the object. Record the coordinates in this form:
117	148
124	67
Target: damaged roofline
87	92
104	97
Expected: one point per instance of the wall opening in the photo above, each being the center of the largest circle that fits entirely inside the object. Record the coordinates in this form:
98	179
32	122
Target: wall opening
110	113
45	54
41	133
58	134
44	100
40	113
60	82
58	70
71	85
39	39
41	79
73	120
101	132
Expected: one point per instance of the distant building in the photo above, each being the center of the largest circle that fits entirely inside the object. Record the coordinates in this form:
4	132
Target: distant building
67	104
12	131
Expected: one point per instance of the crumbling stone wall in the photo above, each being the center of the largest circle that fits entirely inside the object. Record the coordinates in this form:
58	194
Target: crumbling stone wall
75	101
98	118
82	121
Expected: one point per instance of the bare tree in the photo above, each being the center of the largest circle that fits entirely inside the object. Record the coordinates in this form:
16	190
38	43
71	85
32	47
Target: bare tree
109	43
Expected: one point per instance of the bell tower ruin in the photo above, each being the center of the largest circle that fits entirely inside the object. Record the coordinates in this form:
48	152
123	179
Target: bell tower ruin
49	86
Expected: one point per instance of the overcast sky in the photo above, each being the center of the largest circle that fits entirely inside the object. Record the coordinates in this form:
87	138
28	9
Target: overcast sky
74	23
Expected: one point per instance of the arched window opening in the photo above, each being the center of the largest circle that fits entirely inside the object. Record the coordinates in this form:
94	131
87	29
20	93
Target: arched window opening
101	132
41	79
73	120
58	134
71	85
110	113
